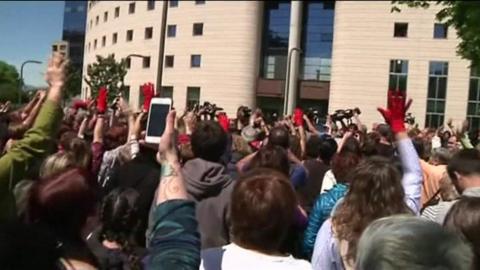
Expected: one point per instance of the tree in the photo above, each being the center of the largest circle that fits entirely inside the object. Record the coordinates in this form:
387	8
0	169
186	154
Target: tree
464	16
9	82
106	72
73	83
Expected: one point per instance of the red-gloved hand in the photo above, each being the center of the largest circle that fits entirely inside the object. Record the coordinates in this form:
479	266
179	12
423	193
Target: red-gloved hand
77	104
148	93
298	117
395	113
223	121
102	100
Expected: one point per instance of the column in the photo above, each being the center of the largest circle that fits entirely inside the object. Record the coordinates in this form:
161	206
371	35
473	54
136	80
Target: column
294	41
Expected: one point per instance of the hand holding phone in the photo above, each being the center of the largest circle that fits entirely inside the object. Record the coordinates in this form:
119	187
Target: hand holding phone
158	111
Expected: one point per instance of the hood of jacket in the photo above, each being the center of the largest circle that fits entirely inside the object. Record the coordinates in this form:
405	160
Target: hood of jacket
205	179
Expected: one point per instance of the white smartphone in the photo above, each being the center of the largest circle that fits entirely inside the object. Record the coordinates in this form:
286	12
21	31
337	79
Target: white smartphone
157	115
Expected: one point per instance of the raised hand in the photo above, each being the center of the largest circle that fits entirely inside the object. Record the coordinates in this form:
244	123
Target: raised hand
102	100
394	115
148	93
166	149
55	75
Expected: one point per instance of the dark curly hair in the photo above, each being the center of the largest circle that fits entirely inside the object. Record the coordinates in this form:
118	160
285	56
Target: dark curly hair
375	191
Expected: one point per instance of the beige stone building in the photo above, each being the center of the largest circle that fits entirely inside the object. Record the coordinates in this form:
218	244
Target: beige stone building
339	55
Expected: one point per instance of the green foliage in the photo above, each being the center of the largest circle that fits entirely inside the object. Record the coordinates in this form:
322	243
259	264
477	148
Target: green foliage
9	82
73	82
464	16
106	72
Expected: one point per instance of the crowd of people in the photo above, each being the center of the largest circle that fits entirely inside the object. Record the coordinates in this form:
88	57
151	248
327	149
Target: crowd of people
80	188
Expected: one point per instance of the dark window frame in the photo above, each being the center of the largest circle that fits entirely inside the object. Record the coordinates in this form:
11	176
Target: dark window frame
146	62
131	8
129	36
169	28
114	38
117	12
173	3
397	30
169	61
197	29
437	113
150	4
194	57
444	35
148	32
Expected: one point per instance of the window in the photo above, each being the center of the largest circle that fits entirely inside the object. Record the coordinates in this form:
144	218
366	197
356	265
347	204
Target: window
128	62
440	30
129	35
88	46
437	92
114	38
171	30
473	108
148	32
398	75
400	30
105	16
169	60
173	3
126	92
195	60
131	8
199	2
96	20
198	29
117	12
166	92
95	44
150	4
193	97
104	41
146	62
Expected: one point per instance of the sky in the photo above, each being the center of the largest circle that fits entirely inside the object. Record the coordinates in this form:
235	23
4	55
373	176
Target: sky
27	31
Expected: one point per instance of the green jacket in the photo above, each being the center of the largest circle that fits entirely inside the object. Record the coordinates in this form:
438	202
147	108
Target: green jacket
175	241
35	146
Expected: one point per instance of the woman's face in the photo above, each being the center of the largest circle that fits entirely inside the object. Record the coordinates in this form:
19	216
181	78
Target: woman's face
452	143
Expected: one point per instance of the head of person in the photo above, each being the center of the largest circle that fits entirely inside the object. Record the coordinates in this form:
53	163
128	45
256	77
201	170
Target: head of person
57	163
120	220
464	169
464	220
347	159
63	201
375	191
452	144
440	156
272	157
327	149
209	141
81	152
448	192
260	221
279	136
115	136
385	132
312	150
408	242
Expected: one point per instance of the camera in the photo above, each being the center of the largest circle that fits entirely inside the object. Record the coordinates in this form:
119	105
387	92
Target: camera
208	109
313	114
347	114
409	119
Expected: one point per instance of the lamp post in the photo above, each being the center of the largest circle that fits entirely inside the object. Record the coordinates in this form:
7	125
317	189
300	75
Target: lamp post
129	56
287	78
20	85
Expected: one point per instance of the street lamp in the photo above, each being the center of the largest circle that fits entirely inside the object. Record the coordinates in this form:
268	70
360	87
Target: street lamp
21	78
133	55
287	78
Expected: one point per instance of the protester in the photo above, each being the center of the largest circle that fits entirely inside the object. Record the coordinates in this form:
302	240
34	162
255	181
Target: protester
406	242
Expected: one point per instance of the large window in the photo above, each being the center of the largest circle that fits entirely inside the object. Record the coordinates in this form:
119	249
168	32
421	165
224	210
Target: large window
173	3
129	35
171	30
148	32
473	108
193	97
317	37
198	29
437	92
169	61
440	31
117	12
400	29
275	39
131	8
146	62
166	92
150	5
397	79
195	60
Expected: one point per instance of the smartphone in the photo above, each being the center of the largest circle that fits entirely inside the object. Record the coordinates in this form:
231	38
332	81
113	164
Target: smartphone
157	115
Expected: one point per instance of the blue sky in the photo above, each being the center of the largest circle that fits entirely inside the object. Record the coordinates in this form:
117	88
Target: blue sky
27	31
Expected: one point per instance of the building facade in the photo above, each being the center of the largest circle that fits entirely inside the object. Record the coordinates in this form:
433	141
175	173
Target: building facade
74	17
338	55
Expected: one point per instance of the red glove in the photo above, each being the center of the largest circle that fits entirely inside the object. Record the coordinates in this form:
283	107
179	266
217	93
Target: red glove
77	104
298	117
102	100
223	121
148	94
395	113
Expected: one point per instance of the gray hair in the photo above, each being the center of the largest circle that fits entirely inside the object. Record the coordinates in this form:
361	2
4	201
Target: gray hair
441	155
407	242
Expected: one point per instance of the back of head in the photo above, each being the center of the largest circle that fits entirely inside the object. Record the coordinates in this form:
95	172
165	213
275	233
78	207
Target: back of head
328	148
209	141
313	147
272	157
25	247
465	162
262	210
57	163
63	201
440	156
464	220
384	131
346	160
279	136
407	242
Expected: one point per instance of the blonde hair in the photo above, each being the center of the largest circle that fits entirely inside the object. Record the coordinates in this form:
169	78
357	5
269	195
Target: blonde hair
56	163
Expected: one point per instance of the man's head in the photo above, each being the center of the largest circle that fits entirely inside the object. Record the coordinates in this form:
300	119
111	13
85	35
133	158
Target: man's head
464	169
440	156
384	131
209	141
262	210
407	242
279	136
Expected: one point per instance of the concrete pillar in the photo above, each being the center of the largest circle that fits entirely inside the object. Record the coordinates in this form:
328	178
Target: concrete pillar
294	41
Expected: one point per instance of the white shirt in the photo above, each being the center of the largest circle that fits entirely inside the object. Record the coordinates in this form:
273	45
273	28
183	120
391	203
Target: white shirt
328	181
233	257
